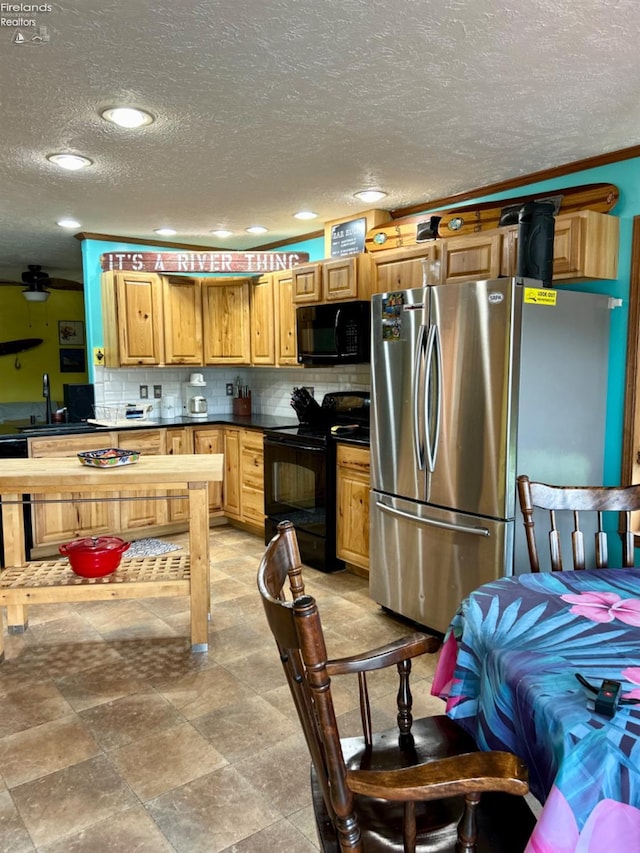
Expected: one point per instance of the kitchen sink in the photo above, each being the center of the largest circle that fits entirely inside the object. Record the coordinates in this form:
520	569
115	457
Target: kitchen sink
57	429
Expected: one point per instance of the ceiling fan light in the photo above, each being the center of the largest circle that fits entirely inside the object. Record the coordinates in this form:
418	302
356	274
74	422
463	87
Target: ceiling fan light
36	295
128	117
71	162
370	195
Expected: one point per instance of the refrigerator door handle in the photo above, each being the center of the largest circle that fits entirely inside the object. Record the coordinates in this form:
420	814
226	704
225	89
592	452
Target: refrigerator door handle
419	380
432	428
431	522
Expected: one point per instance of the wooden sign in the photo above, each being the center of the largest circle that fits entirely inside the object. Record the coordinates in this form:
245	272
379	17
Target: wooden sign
199	263
486	215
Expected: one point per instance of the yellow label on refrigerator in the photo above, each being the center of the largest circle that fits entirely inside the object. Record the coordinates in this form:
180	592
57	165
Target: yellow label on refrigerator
539	296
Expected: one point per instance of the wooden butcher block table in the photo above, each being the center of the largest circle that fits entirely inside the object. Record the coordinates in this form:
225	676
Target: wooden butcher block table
52	581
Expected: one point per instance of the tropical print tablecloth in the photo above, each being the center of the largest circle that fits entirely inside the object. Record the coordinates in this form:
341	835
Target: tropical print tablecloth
507	672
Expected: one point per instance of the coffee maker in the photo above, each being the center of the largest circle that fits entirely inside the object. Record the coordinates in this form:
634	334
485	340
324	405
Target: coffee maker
195	401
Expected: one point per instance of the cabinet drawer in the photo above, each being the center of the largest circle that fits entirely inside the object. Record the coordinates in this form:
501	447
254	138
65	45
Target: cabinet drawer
354	458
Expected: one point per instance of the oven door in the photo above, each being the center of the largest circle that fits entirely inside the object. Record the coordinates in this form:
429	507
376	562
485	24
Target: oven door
295	484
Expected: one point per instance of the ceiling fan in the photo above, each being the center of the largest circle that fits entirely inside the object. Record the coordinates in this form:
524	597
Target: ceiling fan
39	283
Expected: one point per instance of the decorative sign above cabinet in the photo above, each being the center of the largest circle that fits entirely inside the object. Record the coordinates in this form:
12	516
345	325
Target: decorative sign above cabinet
347	238
202	262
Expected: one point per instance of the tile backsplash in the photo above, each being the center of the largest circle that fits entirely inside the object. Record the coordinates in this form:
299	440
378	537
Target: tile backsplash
270	387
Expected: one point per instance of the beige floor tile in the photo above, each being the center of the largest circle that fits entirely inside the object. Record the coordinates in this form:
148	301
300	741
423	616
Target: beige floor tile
100	684
199	693
57	631
239	731
65	802
44	749
212	813
31	705
131	830
14	837
114	724
154	765
281	773
274	839
304	821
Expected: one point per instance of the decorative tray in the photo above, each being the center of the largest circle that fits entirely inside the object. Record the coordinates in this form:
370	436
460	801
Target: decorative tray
108	457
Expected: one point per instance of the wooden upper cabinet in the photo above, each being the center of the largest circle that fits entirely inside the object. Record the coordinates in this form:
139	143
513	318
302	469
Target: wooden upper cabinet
333	280
307	283
286	338
585	246
263	333
404	269
226	327
182	307
471	258
133	318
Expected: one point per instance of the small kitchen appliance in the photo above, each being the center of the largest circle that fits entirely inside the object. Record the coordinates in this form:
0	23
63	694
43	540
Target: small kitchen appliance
195	403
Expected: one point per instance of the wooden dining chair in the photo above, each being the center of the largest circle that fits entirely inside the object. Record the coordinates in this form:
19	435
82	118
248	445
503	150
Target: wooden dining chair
584	507
416	787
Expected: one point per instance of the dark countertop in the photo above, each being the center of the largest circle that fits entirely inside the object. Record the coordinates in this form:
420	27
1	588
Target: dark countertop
11	430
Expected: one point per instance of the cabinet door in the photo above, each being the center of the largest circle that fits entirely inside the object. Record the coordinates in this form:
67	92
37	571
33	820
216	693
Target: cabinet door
178	440
285	319
84	514
404	269
263	348
211	440
473	258
139	318
227	334
307	283
340	279
231	484
353	484
182	308
252	467
145	511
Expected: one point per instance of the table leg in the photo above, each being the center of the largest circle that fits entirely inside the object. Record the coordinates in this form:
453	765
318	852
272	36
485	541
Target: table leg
14	555
199	557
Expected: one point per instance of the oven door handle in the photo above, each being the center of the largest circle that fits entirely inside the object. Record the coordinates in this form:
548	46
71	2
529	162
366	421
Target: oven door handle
306	447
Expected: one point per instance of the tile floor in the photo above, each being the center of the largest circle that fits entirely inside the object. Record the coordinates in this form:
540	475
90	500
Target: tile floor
114	737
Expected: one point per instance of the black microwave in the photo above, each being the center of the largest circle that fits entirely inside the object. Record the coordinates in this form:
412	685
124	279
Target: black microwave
336	333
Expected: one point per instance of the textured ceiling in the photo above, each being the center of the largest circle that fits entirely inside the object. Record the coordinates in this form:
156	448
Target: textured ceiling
266	107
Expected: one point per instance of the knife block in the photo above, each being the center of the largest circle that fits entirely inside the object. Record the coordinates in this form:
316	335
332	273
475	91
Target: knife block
242	405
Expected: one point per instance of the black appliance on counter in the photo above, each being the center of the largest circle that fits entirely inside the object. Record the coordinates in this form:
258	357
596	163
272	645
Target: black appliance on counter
300	471
78	401
335	333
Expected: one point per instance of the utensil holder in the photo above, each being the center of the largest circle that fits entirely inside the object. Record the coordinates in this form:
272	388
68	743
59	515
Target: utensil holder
242	405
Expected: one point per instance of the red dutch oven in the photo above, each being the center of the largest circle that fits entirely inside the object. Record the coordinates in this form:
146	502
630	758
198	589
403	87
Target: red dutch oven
95	556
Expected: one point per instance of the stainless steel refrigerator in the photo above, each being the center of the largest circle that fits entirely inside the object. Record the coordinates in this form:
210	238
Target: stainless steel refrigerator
474	383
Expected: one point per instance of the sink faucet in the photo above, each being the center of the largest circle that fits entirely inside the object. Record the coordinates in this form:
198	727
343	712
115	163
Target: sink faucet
46	393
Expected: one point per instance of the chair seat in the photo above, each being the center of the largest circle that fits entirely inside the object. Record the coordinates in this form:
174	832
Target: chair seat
505	822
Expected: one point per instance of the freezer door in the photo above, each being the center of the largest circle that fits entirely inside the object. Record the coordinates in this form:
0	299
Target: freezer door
475	444
399	338
425	560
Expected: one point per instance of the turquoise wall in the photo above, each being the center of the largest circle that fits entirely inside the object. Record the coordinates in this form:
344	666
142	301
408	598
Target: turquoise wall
625	175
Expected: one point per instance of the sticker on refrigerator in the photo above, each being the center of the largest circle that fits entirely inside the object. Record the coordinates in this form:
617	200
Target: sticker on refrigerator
391	314
540	297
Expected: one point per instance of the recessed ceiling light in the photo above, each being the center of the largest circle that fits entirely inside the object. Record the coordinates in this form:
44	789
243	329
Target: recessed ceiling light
305	214
256	229
222	233
127	117
164	232
69	161
68	223
370	195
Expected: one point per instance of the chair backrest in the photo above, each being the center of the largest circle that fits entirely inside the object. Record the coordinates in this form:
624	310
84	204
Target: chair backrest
585	508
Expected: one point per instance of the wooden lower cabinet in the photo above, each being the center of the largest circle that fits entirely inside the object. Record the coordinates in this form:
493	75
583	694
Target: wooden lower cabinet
54	523
252	472
142	513
231	482
352	496
179	440
211	440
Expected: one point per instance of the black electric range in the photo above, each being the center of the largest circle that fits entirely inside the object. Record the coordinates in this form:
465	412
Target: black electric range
300	471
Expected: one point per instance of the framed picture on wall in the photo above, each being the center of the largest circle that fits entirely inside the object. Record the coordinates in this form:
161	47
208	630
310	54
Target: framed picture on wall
72	361
70	332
